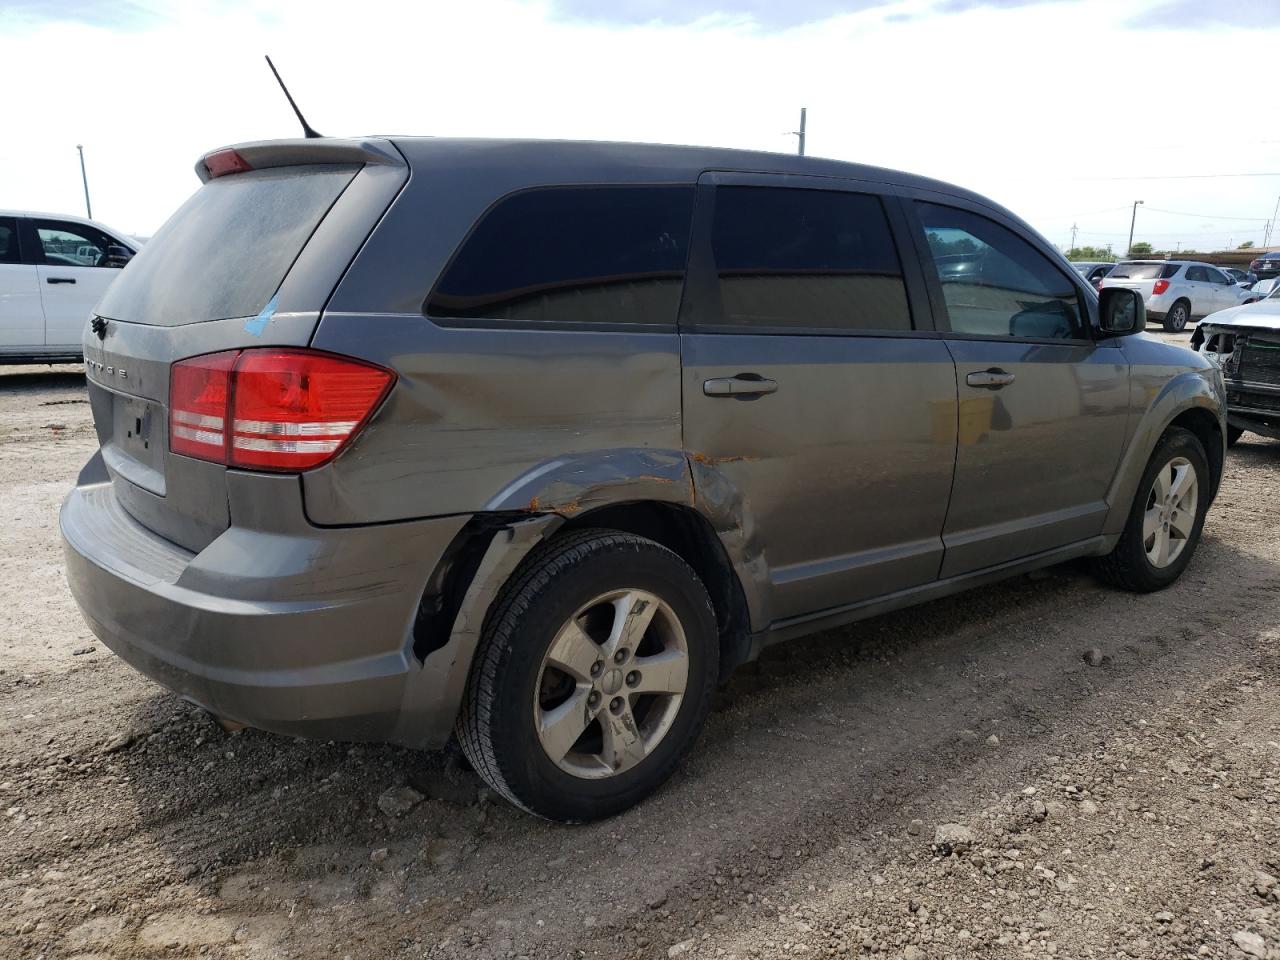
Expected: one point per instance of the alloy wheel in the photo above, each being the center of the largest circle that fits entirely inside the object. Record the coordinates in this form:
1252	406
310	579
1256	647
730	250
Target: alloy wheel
1170	515
611	684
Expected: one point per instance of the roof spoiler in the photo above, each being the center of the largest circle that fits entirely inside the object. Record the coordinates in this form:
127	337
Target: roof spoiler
288	153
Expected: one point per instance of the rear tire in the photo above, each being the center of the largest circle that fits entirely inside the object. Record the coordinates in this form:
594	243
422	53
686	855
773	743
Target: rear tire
1233	435
1156	519
1175	321
593	677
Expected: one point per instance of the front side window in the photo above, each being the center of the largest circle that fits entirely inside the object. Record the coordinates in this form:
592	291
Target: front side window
608	254
807	258
995	284
66	244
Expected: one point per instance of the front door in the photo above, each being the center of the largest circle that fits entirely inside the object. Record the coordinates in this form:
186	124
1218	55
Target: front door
818	418
1043	407
72	277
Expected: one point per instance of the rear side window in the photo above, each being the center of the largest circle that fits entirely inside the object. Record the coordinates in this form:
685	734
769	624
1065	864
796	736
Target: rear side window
608	254
1198	274
9	240
807	258
227	249
995	283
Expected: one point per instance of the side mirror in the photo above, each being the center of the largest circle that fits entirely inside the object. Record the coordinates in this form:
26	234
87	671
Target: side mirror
1121	311
117	256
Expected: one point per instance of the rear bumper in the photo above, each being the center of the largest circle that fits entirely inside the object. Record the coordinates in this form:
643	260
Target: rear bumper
276	624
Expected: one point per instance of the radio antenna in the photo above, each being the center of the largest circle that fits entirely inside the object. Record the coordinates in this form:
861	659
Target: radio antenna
309	133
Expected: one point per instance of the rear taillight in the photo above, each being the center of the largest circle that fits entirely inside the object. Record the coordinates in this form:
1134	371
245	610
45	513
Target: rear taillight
1160	287
199	390
224	162
271	409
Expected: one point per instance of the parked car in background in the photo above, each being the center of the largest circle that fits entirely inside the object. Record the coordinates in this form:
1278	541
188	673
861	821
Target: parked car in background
1240	276
1267	266
1094	270
1245	342
1262	289
1177	291
420	438
53	270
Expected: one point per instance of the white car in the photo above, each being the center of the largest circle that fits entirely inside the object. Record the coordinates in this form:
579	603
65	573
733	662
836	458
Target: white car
1176	291
53	271
1245	342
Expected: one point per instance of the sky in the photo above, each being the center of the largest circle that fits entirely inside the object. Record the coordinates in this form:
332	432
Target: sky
1065	111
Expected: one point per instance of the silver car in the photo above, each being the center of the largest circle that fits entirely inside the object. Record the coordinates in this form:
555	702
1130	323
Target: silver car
1177	291
532	444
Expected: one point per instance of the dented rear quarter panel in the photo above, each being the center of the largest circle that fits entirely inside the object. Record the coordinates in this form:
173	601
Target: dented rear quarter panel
554	421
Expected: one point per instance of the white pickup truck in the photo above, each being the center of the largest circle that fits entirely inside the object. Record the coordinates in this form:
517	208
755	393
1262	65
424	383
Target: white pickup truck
53	271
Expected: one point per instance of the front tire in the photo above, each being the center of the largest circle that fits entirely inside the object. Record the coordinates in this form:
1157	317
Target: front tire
1167	516
1175	321
593	677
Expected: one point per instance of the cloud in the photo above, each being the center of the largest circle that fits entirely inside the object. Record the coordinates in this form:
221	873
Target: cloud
765	13
1195	15
119	15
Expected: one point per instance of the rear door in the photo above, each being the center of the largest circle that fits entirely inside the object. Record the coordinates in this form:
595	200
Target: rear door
1043	407
815	409
21	318
72	277
1203	293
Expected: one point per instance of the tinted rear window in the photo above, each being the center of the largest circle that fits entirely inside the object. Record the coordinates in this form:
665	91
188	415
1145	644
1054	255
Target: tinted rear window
9	240
226	250
1143	271
609	254
807	258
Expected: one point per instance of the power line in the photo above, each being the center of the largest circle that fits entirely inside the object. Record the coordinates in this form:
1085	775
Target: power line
1183	176
1206	216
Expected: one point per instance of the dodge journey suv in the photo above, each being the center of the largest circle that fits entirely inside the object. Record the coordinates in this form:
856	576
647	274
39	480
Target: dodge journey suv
532	443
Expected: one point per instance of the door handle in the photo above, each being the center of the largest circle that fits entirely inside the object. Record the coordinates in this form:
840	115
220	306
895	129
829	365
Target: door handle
743	385
59	279
992	379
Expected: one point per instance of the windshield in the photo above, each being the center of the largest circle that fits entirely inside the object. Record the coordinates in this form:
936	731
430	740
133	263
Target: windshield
227	249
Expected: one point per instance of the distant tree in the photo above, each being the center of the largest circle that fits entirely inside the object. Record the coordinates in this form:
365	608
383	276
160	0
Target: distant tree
1080	254
1140	249
1247	245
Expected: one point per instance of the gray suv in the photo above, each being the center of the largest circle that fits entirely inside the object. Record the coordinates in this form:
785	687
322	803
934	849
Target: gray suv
535	442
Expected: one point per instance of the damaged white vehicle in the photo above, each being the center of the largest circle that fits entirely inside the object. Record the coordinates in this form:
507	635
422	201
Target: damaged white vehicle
1245	342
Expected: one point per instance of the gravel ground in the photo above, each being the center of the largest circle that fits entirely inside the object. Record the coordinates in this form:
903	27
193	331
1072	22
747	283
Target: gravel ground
1041	768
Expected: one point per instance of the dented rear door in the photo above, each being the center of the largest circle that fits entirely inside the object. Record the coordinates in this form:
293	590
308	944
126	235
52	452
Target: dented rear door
818	415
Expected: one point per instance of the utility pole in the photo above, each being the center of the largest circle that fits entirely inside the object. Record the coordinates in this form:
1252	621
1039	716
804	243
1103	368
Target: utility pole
800	133
88	210
1132	220
1266	234
1074	228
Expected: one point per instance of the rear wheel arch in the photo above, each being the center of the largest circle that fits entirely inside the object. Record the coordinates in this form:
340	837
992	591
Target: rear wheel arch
690	536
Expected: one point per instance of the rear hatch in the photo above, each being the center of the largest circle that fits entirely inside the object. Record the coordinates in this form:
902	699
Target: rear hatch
248	261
